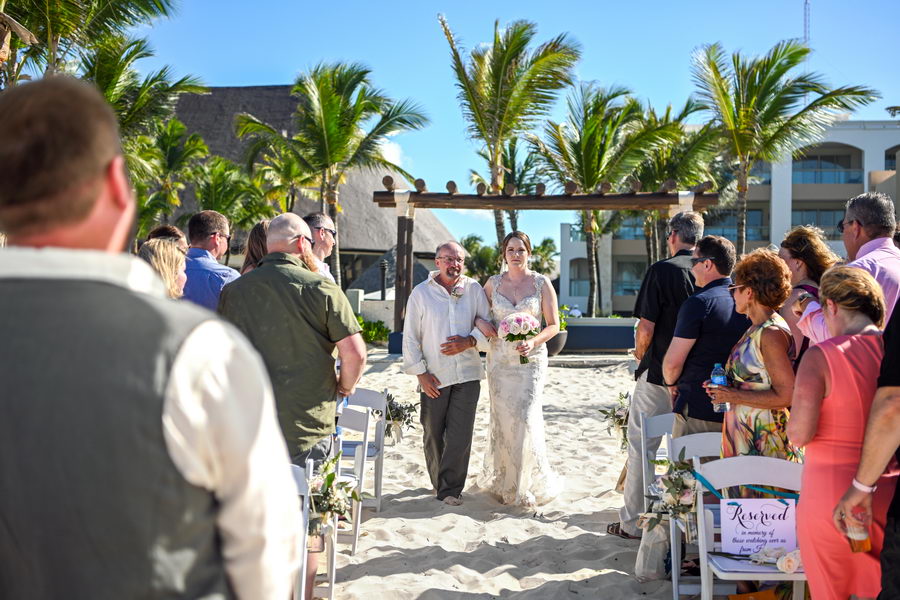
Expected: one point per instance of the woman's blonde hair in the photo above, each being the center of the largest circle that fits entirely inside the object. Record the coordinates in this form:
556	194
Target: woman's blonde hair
853	289
167	259
807	244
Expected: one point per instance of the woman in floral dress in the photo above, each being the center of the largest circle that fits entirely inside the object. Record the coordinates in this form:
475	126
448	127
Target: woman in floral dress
760	365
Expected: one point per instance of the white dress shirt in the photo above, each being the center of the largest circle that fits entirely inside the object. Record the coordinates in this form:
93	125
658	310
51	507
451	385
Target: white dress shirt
433	315
218	421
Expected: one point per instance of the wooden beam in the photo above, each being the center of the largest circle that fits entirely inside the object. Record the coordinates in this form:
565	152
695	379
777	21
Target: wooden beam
420	186
388	182
399	304
451	187
640	201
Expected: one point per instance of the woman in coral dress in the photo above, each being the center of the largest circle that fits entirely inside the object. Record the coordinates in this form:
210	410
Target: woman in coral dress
835	386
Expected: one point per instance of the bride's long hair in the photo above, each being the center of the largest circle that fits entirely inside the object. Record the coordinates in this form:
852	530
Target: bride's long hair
521	236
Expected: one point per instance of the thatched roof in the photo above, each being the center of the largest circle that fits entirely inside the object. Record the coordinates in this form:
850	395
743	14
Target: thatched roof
363	226
370	279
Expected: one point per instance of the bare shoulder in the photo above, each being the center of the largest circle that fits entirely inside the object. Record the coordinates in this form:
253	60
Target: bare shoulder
775	337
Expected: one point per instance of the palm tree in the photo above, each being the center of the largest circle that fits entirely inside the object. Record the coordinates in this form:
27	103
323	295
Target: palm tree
685	161
893	110
481	261
763	110
286	171
9	45
522	174
604	139
175	157
342	124
65	27
506	88
138	102
543	255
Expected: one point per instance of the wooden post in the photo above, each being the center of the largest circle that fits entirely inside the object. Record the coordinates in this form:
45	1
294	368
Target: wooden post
408	264
399	286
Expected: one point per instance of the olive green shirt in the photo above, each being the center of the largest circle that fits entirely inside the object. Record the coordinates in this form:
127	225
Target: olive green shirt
293	317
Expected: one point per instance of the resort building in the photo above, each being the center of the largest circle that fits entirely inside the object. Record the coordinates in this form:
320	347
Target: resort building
854	157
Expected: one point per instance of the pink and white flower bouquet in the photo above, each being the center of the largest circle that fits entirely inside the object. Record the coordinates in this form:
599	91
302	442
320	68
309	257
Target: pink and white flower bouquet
519	326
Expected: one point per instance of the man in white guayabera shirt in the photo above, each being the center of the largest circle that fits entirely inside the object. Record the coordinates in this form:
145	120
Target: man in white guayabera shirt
439	339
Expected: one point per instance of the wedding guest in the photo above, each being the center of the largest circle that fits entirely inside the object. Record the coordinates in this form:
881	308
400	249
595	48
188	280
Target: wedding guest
760	366
867	230
831	403
168	261
439	339
807	256
256	246
706	329
169	232
134	461
324	237
667	284
209	235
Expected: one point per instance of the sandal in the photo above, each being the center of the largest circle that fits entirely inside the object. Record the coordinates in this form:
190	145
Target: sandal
616	530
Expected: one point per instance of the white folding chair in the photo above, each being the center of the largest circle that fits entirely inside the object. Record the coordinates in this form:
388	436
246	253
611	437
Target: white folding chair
736	471
355	420
301	479
651	429
377	401
700	445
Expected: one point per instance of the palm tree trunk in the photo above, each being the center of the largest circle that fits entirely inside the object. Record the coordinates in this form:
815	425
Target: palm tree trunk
496	186
322	192
336	252
742	177
513	220
650	238
659	232
590	242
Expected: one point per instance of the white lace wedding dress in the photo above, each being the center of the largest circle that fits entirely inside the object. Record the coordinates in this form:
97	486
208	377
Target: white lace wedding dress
516	468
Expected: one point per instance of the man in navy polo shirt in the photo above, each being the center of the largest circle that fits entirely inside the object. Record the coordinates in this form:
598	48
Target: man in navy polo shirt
209	237
706	330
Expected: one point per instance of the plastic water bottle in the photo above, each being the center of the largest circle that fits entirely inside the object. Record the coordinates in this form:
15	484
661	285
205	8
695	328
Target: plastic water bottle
719	378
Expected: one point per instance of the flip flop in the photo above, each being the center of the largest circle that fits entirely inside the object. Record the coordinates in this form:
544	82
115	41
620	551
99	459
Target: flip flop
616	530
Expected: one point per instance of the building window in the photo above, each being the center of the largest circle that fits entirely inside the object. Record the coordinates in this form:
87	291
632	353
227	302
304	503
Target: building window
826	168
890	159
579	280
824	219
725	225
632	228
628	277
575	233
761	173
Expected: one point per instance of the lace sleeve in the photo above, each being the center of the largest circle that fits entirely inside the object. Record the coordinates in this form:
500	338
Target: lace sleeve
539	283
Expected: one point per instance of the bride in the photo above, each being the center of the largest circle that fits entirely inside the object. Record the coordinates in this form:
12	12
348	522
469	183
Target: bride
516	468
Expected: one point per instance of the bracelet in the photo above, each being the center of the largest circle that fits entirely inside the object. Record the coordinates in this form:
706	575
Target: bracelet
864	488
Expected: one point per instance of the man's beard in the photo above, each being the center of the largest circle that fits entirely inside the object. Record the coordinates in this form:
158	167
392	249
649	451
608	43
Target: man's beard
310	259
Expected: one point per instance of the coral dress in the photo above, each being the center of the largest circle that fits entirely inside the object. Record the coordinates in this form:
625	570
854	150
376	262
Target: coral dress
831	459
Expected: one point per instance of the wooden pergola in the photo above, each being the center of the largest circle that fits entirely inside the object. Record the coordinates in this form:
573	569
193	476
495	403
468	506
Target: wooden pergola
405	203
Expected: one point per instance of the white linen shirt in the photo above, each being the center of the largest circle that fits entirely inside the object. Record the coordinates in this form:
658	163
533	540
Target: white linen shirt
433	315
218	421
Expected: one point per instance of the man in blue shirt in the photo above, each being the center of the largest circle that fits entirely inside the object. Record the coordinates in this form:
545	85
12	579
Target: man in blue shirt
209	235
706	330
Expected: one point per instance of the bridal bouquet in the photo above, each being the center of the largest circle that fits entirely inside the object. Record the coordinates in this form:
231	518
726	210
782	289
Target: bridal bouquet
519	326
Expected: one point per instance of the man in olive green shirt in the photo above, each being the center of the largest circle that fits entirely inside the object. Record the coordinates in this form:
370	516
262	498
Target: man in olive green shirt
295	318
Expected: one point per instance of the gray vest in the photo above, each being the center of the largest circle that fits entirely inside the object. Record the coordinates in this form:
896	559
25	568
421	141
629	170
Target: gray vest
91	504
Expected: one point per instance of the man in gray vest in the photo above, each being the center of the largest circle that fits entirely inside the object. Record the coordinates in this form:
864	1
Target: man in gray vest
139	449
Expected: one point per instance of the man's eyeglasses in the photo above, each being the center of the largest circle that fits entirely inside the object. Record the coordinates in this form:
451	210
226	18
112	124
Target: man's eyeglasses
696	260
306	237
331	231
227	236
842	224
447	259
732	288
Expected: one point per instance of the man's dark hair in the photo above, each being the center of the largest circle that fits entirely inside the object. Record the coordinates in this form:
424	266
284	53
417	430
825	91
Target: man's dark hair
204	224
316	220
875	213
165	231
57	138
688	225
720	250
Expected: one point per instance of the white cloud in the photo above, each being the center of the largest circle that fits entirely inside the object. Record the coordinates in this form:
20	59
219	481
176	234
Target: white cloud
482	215
392	152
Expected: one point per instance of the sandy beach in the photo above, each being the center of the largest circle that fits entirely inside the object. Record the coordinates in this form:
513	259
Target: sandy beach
419	548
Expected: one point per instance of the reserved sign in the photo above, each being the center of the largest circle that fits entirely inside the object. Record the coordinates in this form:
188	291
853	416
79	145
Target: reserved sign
751	524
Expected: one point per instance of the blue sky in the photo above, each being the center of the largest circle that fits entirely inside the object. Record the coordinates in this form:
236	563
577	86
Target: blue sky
645	46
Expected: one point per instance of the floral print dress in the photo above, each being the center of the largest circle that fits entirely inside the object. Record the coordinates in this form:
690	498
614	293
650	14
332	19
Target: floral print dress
756	431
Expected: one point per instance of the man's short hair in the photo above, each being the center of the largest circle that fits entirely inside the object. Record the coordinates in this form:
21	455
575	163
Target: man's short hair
720	250
165	231
688	225
204	224
875	213
57	137
317	220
